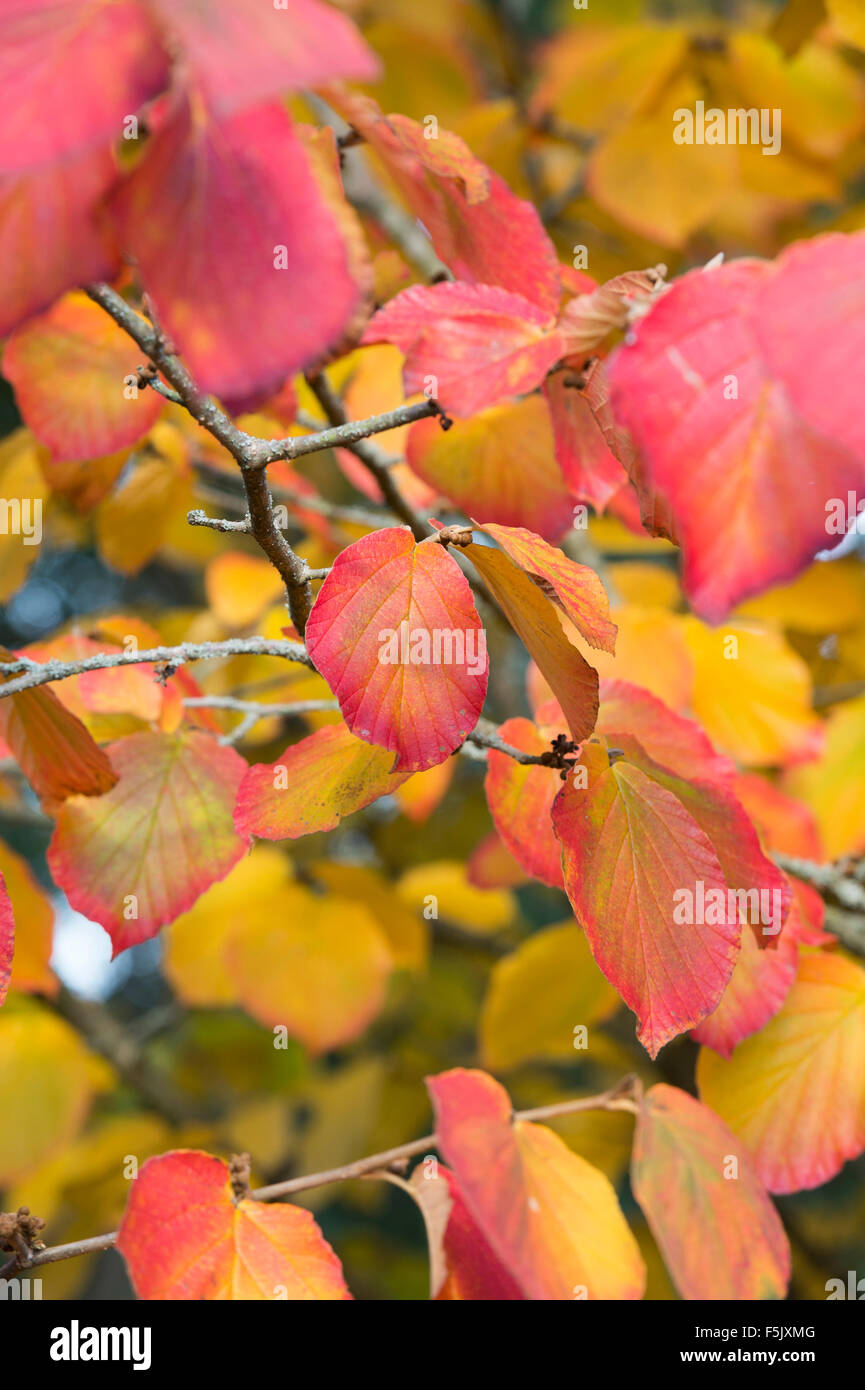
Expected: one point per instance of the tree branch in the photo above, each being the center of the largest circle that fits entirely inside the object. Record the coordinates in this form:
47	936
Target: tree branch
34	673
371	457
619	1097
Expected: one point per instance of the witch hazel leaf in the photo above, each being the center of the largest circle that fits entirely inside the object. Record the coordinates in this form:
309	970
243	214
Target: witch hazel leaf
477	224
239	57
590	448
7	939
520	797
467	345
588	319
758	986
500	464
50	236
704	380
794	1093
823	277
575	589
628	847
68	369
472	1270
720	1239
220	169
140	855
54	57
670	739
395	633
316	965
313	785
552	1220
52	747
222	1247
535	621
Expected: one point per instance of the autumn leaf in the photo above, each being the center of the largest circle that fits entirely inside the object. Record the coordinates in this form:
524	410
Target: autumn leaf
575	589
54	57
629	846
313	784
136	857
52	747
221	1247
706	379
500	465
520	797
794	1093
395	633
316	965
237	60
718	1231
535	620
539	998
551	1218
262	262
468	345
70	370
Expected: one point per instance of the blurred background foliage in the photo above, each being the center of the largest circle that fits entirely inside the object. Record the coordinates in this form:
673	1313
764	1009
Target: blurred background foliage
573	107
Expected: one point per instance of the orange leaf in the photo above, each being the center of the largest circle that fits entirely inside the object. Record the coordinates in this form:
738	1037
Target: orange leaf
551	1218
137	857
52	747
395	633
535	621
313	784
219	1247
718	1231
69	369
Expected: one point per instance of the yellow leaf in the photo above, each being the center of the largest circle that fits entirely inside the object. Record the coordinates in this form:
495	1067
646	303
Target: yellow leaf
194	944
833	784
46	1087
752	693
317	966
240	587
22	494
441	889
540	996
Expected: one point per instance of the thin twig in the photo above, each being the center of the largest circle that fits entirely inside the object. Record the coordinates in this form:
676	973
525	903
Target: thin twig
34	673
614	1099
371	458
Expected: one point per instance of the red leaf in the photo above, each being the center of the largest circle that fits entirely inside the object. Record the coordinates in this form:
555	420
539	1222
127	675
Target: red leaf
551	1218
225	282
473	1270
720	437
395	633
520	798
68	369
719	1234
477	225
313	785
575	589
241	55
50	237
589	447
467	345
810	322
92	62
219	1247
628	846
137	857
